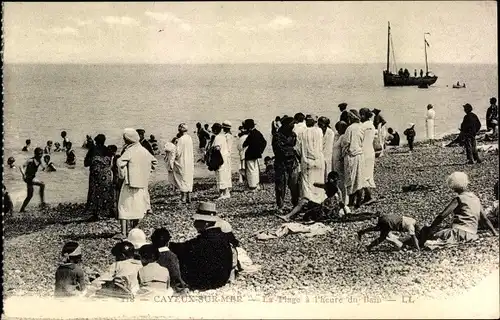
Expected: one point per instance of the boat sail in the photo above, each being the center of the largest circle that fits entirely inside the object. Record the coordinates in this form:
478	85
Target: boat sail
401	79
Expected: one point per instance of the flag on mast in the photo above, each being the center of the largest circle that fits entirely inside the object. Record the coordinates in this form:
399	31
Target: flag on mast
427	43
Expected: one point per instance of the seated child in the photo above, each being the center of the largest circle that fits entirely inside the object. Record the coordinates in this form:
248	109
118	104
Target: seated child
153	277
410	135
57	147
392	138
467	212
125	266
70	278
27	148
49	165
160	239
48	147
331	207
11	162
8	206
392	222
70	154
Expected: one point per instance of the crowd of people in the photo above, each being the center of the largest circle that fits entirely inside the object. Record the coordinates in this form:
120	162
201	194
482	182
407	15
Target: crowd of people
329	173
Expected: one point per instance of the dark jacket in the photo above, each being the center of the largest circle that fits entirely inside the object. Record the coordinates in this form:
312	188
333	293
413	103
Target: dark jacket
169	260
284	149
70	279
145	143
206	261
256	145
410	133
395	139
344	117
470	125
491	114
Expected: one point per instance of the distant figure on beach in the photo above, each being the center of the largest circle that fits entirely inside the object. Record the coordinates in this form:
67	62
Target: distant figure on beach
275	125
223	173
469	129
343	112
154	144
48	147
89	143
429	122
415	73
27	147
203	136
183	165
70	155
379	124
492	116
328	139
11	162
66	140
134	167
242	136
421	73
255	144
394	137
49	165
28	172
353	160
57	147
410	134
145	143
226	128
368	154
7	204
466	211
101	193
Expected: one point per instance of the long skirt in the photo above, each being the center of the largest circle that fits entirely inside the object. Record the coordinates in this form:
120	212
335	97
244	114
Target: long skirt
368	169
223	177
354	177
133	202
101	194
430	128
308	177
252	173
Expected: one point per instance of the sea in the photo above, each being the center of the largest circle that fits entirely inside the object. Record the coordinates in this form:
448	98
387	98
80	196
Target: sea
42	100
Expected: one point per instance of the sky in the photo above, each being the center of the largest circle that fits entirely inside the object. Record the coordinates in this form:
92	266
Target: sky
249	32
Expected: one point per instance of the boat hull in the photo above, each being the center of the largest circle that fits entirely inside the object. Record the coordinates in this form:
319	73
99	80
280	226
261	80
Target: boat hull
458	87
394	80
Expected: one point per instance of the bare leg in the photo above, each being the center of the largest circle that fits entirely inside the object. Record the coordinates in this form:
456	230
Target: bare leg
369	229
188	197
295	210
28	197
124	230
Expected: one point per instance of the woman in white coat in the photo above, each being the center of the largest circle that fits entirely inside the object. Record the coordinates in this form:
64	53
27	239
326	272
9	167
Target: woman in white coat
183	167
368	154
223	174
429	122
134	167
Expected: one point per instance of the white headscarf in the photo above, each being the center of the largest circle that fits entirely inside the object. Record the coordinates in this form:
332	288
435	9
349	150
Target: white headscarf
131	135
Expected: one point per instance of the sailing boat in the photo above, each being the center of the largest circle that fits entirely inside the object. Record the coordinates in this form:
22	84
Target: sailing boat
400	79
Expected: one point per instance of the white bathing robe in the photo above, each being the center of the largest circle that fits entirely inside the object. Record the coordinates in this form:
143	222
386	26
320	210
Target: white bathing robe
429	123
183	168
312	161
328	141
223	175
368	153
229	141
298	128
352	148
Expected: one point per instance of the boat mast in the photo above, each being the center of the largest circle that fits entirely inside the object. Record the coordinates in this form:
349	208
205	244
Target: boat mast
388	43
425	50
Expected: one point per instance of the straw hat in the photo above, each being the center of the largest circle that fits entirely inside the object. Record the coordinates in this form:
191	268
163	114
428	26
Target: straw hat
206	212
226	124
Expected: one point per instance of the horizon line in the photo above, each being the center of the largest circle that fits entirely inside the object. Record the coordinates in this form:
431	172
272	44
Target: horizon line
226	63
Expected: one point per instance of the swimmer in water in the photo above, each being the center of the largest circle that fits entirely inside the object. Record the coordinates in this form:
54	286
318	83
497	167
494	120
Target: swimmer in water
10	162
70	154
64	135
26	148
49	165
57	147
48	147
28	171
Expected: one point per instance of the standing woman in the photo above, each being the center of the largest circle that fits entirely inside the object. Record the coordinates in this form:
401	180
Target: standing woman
328	140
352	146
429	122
100	196
183	168
135	166
338	157
242	136
226	128
379	124
368	154
223	174
255	144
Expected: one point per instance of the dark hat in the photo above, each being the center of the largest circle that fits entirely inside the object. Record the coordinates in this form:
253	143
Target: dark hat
286	121
206	212
342	105
249	124
376	110
140	131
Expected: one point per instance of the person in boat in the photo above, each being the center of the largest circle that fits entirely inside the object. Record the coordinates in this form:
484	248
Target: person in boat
415	73
492	116
421	73
401	72
469	129
406	73
26	148
28	172
394	137
49	165
467	212
343	112
458	84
